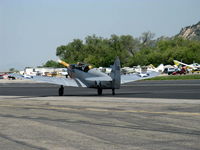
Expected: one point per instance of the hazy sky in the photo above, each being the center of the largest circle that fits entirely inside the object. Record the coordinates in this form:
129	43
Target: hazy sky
31	30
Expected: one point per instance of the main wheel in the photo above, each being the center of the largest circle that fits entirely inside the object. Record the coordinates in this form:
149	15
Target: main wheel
113	91
61	90
99	91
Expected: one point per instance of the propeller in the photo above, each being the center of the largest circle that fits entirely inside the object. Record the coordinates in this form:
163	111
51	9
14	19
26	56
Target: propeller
64	63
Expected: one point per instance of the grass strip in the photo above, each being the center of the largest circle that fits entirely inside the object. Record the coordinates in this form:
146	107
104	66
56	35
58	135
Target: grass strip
176	77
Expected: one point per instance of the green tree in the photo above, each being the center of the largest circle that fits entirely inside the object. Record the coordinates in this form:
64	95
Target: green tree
13	70
52	63
145	50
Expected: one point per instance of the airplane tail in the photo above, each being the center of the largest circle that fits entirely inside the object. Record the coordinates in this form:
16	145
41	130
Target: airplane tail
115	74
160	68
177	63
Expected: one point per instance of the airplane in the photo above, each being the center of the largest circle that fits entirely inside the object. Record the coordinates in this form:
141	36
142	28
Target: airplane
105	70
193	66
143	74
83	75
160	68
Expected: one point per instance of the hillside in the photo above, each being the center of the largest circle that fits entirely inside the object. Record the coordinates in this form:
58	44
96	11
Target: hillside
191	32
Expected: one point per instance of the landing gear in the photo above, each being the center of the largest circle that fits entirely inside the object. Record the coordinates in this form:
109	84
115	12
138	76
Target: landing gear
61	90
99	91
113	91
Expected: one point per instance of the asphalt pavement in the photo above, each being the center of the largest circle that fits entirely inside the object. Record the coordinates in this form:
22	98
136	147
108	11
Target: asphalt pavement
176	89
145	115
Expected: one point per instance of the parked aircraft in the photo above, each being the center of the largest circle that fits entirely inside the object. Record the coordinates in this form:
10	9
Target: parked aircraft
143	74
160	68
83	75
193	66
105	70
127	70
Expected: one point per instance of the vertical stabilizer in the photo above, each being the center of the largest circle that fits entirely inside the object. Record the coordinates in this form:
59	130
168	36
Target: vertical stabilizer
115	74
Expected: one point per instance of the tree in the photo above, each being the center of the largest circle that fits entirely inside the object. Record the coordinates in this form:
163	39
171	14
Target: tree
146	38
13	70
52	63
100	51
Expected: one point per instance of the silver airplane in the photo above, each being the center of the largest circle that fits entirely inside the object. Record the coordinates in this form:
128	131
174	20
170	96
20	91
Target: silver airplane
83	75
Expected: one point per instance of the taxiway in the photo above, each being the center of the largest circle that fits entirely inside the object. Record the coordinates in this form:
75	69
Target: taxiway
142	115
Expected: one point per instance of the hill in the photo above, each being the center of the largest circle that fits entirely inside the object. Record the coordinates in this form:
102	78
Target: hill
191	32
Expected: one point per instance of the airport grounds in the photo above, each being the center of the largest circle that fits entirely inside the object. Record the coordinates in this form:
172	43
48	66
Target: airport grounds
144	115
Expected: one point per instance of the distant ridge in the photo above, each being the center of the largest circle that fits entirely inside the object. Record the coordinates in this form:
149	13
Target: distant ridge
191	32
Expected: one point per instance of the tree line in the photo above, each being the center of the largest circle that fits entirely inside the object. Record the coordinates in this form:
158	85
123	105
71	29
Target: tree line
144	50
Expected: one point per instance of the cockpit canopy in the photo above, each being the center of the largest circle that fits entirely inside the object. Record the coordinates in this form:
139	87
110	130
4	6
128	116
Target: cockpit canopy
81	66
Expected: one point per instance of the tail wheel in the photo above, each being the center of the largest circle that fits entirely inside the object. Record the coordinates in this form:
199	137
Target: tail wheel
61	90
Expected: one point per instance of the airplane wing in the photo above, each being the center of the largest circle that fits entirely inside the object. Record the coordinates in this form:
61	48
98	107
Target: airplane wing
53	80
177	63
135	77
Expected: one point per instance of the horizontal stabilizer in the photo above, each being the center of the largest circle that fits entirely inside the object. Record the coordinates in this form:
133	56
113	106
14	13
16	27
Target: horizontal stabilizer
135	77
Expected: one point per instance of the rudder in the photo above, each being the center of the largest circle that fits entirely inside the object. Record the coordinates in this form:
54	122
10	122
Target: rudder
115	74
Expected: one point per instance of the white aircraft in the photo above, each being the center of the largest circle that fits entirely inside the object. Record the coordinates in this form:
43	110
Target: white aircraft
105	70
143	74
27	76
127	70
160	68
82	75
193	66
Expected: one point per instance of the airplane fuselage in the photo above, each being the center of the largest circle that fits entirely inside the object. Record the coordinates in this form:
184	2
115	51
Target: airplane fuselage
92	73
